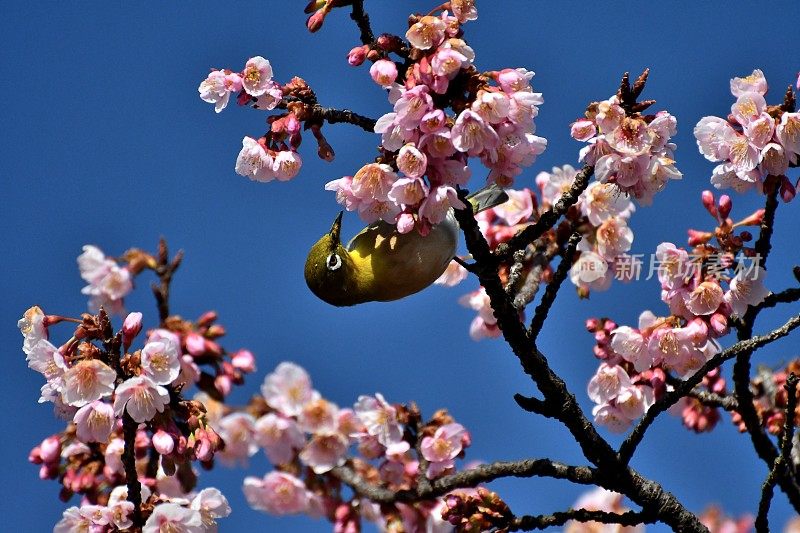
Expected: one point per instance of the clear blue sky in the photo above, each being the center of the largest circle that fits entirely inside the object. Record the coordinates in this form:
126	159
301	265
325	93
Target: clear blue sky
105	141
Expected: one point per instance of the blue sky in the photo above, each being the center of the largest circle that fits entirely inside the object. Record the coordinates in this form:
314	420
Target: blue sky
106	142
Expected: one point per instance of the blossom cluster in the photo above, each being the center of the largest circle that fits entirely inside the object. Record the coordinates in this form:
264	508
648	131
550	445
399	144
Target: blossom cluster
770	399
755	141
308	437
274	155
637	359
108	282
114	395
445	112
627	148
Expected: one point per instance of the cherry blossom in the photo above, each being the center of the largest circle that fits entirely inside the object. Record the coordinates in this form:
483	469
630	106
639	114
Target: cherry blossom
141	398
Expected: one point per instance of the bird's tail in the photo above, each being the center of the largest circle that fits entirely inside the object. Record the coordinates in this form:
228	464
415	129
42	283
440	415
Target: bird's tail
490	196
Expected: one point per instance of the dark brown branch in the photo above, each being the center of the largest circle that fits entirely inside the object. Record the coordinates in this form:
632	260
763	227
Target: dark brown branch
712	399
781	464
784	297
647	493
764	243
362	21
336	116
629	518
551	291
683	388
129	428
468	478
548	219
165	269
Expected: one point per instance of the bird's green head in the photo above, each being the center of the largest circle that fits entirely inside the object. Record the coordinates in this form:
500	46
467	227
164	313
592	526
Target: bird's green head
329	269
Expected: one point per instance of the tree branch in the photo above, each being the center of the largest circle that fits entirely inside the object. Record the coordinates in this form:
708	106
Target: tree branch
129	428
781	464
683	388
473	477
551	291
645	492
362	21
164	270
548	219
335	116
629	518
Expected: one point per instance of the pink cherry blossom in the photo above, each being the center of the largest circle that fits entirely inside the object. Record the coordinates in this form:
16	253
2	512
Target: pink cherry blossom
254	162
257	76
746	289
319	416
174	518
438	203
632	346
614	238
755	82
163	442
443	447
141	397
464	10
217	88
279	436
713	136
87	381
277	493
288	388
379	417
32	326
373	181
412	105
514	79
607	383
238	431
211	504
160	361
611	417
788	133
324	452
411	161
94	422
453	275
427	33
286	165
472	135
517	209
408	191
748	106
705	298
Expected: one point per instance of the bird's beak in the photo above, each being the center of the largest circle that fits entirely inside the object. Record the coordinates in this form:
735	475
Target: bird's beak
336	228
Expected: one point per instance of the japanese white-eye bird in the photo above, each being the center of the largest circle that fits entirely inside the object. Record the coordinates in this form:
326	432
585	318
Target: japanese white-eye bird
380	264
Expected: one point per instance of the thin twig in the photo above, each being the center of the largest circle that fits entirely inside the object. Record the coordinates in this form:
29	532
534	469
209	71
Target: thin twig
712	399
551	291
548	219
335	116
782	462
129	428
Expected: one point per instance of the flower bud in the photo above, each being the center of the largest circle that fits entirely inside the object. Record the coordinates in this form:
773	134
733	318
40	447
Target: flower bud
223	384
207	318
787	190
697	238
708	202
725	206
383	72
163	443
131	327
357	55
244	360
215	331
195	344
50	449
592	324
315	21
753	220
719	324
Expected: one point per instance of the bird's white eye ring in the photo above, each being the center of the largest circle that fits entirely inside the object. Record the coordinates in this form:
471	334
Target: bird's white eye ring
333	261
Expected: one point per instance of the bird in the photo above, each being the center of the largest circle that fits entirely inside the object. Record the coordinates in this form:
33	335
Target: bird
380	264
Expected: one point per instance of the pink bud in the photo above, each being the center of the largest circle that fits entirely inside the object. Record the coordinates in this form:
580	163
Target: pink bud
787	190
195	343
244	360
292	124
383	72
592	324
753	220
131	327
207	318
697	238
600	336
725	206
357	55
719	324
708	203
314	22
213	348
50	449
609	326
202	446
223	384
163	443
